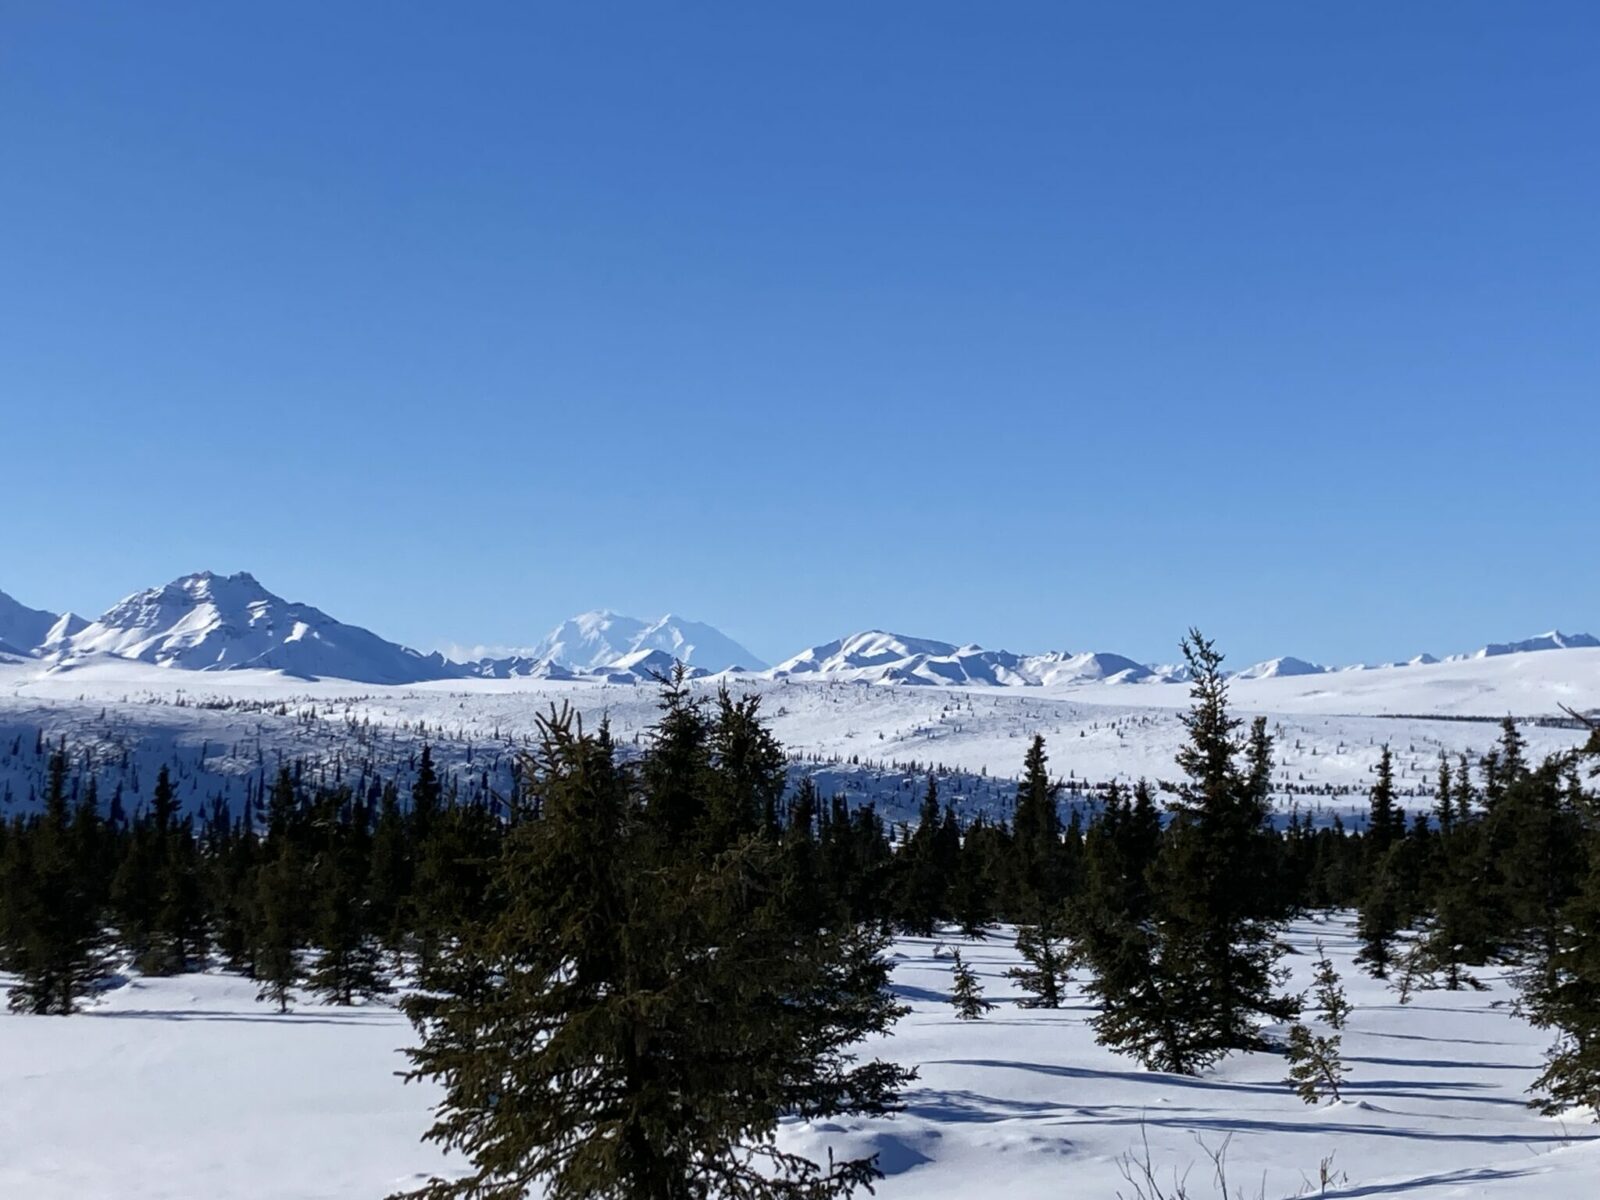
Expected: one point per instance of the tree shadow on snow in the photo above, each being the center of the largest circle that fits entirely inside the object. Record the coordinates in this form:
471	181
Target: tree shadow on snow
271	1018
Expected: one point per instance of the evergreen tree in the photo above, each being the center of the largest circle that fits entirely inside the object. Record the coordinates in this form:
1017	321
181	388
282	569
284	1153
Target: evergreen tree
1332	1004
55	938
1217	899
923	877
1378	920
1038	883
279	885
1385	824
966	993
349	959
1047	957
1315	1067
973	897
638	1006
1565	996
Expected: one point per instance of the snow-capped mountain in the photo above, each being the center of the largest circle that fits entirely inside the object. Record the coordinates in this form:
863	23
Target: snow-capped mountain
1554	640
1278	668
213	622
24	630
209	622
601	639
875	656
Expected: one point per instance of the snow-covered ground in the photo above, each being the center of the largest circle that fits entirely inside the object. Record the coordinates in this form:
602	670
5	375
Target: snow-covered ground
187	1088
875	741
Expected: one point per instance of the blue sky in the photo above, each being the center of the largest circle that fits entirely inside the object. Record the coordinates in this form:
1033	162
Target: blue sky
1043	326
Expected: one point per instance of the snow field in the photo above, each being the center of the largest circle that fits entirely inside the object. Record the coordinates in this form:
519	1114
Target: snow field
188	1089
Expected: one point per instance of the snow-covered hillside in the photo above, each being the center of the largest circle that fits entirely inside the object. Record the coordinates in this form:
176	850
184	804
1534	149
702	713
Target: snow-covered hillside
875	742
190	1087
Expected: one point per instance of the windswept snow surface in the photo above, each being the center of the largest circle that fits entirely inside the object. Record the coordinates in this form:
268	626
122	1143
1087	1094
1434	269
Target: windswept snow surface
188	1089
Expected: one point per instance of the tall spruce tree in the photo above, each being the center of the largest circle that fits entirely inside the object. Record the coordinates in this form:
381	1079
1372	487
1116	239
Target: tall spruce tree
641	1002
1038	882
1144	1009
1218	904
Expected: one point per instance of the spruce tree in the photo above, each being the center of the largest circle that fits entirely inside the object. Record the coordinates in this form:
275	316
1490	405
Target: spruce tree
922	878
642	1001
279	906
1047	957
1333	1006
1565	996
1038	879
1315	1067
349	959
1146	1006
966	992
1378	919
982	851
1217	900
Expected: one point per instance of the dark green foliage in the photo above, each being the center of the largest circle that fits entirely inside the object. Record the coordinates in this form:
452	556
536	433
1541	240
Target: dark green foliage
349	956
1566	998
1039	881
926	867
1315	1067
53	935
1047	958
980	865
1333	1006
279	901
1564	994
1379	919
966	992
644	998
1211	940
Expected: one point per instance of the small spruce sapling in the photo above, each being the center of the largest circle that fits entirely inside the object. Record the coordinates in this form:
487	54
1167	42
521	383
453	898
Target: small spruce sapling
1332	1004
967	996
1315	1067
1413	972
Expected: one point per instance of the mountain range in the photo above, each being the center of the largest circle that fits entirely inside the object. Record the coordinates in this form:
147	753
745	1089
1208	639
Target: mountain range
212	622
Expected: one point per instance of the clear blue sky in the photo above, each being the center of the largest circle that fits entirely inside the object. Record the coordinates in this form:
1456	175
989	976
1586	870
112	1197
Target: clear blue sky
1046	325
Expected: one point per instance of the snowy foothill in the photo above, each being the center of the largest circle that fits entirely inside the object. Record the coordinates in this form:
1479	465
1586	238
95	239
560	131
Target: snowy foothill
187	1086
871	741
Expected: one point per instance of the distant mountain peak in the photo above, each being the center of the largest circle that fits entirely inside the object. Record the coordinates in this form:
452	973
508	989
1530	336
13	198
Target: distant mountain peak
1282	668
600	638
24	630
209	622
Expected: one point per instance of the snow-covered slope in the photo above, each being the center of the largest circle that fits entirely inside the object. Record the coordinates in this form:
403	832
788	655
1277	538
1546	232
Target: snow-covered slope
191	1087
209	622
24	630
